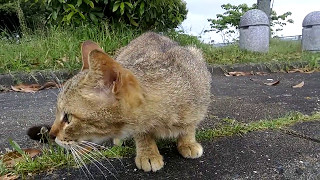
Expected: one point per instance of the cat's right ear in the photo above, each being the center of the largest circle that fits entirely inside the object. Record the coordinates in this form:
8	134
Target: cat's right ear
86	48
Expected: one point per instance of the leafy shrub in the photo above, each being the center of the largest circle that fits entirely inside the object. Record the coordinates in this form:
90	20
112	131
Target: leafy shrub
146	14
33	15
9	20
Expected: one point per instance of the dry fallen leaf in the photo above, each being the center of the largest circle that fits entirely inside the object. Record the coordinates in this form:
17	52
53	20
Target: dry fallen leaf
272	83
309	72
50	85
296	70
26	88
11	158
300	85
238	73
9	176
262	73
302	70
34	87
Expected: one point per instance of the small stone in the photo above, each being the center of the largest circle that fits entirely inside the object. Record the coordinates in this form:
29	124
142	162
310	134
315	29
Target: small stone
237	176
280	169
299	171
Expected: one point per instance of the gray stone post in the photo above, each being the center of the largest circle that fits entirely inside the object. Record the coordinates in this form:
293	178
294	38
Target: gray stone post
254	31
311	32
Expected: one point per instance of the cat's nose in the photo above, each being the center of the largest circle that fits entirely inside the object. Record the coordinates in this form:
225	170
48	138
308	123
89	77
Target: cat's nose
53	132
52	136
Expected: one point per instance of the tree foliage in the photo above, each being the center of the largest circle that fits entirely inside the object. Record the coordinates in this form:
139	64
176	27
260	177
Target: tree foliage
228	22
10	10
146	14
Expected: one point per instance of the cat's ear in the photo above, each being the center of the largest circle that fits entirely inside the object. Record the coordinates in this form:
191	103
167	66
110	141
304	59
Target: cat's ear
122	82
102	63
86	48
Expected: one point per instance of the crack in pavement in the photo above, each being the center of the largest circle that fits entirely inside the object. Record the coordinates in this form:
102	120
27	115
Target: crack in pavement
299	135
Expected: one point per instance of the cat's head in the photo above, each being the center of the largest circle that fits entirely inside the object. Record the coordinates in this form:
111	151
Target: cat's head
93	104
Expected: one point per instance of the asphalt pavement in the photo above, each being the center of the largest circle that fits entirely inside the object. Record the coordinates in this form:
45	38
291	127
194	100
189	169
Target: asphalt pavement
256	155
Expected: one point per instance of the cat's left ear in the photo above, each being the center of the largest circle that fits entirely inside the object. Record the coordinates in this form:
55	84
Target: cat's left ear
120	81
86	48
102	63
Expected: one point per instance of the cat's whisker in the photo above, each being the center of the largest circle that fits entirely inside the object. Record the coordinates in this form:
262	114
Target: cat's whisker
87	155
54	93
102	147
58	82
82	162
90	158
94	145
77	162
98	151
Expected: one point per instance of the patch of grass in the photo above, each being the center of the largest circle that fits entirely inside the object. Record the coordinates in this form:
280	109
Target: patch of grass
51	158
279	51
3	168
59	48
54	157
236	128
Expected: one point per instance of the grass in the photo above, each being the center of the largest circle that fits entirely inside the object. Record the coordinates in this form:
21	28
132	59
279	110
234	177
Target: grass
54	157
233	127
59	48
279	51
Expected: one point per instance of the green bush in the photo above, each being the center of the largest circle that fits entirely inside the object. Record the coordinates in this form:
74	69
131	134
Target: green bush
33	15
8	18
146	14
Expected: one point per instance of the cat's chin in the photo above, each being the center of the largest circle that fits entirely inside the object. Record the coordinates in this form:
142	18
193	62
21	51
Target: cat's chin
68	144
96	140
65	144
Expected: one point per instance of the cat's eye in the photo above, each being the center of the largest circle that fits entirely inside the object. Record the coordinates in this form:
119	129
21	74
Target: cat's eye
66	118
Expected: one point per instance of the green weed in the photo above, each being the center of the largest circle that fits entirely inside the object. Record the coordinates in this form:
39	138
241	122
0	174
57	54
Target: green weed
54	156
59	48
234	127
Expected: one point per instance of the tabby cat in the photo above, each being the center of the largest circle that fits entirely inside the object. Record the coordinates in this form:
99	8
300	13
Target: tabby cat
154	88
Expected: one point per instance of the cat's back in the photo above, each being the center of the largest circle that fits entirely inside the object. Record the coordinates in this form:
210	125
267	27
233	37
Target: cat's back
160	62
146	51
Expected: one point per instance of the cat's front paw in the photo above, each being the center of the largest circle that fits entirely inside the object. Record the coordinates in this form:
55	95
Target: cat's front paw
148	163
190	150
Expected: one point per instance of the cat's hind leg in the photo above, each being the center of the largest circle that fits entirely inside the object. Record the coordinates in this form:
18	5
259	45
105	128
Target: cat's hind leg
187	145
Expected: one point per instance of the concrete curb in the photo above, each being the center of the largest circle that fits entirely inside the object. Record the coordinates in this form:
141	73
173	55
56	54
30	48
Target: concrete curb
252	67
40	77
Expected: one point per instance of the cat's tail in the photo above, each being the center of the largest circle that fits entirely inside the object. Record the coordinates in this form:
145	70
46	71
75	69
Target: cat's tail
39	133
